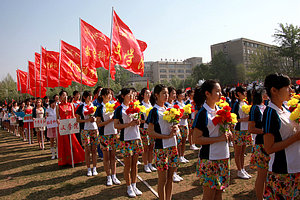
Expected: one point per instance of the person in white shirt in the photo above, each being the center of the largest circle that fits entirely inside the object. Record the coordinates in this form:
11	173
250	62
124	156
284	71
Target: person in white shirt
52	132
213	163
148	143
130	141
166	152
281	141
89	134
108	137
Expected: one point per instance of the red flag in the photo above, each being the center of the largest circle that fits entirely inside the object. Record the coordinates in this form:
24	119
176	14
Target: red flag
187	89
147	83
23	81
51	60
31	77
70	66
18	80
126	50
94	48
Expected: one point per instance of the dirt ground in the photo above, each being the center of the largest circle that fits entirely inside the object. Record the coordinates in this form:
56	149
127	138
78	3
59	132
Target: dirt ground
29	173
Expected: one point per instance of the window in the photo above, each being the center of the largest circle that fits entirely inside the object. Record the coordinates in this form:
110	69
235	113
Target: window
188	71
162	70
171	76
171	66
180	70
163	76
172	70
181	76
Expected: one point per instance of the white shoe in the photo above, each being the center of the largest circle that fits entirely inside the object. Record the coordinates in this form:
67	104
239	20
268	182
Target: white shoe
130	191
151	167
137	191
53	153
193	147
109	181
180	178
89	173
246	173
115	180
182	160
138	163
147	169
185	160
176	178
95	173
241	174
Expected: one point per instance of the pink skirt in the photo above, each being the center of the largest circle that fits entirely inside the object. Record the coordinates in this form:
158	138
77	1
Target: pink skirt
51	132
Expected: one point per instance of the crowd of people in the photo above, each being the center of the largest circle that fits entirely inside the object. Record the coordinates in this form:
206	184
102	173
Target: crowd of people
267	128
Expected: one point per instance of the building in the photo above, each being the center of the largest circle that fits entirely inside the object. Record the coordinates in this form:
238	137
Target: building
239	50
158	71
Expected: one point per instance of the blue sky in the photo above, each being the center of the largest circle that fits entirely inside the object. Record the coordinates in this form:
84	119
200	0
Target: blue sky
173	29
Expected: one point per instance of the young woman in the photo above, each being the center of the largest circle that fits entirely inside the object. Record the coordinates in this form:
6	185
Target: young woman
65	110
20	121
89	134
183	125
241	135
281	141
259	158
39	112
130	141
52	132
170	104
28	125
213	163
190	99
166	153
108	137
148	143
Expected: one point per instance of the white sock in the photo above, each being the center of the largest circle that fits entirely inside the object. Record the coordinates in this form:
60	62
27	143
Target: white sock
108	177
129	187
175	174
89	169
149	164
113	176
133	185
94	168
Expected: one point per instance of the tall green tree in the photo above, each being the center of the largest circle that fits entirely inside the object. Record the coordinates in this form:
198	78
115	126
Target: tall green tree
288	38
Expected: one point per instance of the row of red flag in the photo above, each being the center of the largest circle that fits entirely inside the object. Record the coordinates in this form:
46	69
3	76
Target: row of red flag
59	69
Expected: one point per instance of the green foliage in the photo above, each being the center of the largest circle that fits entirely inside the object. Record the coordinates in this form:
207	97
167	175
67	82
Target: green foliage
288	38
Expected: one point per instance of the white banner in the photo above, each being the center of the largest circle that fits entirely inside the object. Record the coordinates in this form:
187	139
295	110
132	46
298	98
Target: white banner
39	122
13	120
51	122
28	118
68	126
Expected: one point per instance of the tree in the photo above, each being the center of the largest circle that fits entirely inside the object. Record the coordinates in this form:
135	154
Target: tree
288	38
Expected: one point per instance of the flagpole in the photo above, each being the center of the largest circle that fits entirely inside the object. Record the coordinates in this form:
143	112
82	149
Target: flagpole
46	68
59	60
41	73
34	77
110	50
80	53
27	79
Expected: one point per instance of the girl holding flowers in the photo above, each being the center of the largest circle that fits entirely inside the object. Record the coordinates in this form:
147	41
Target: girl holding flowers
165	149
281	141
130	141
259	158
148	143
89	135
213	163
183	125
107	135
241	135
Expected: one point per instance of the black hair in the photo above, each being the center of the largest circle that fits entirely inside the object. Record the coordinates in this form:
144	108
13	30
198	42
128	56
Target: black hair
85	95
133	89
60	93
199	96
104	92
142	93
240	89
75	92
277	81
96	91
189	92
51	101
14	103
257	96
123	93
170	89
157	89
249	96
179	91
46	97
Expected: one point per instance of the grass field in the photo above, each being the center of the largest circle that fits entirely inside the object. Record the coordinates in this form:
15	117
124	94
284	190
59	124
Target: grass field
29	173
